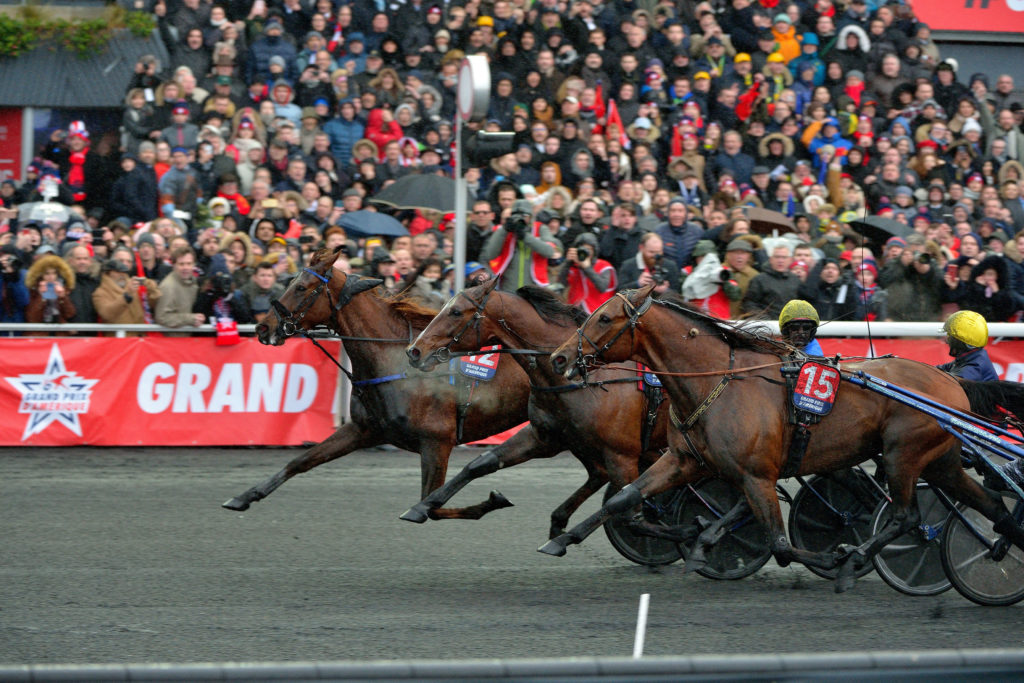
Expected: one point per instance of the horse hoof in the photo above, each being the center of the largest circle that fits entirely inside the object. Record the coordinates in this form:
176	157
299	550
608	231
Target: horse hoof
416	513
497	501
235	504
694	563
846	578
555	547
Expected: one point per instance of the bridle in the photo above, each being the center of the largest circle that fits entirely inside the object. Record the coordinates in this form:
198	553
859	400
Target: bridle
288	321
443	354
634	312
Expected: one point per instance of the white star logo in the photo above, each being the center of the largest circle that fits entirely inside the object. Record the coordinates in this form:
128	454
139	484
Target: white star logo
55	395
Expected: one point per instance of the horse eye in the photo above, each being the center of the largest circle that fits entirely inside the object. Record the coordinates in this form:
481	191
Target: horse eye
604	319
300	288
454	312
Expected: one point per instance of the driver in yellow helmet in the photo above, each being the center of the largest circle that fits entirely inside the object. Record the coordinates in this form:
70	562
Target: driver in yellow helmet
798	323
967	335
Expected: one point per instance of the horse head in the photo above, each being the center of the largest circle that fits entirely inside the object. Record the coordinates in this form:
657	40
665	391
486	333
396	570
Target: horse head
312	298
447	332
602	337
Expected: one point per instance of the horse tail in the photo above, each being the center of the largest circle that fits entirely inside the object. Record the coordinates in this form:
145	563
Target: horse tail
996	398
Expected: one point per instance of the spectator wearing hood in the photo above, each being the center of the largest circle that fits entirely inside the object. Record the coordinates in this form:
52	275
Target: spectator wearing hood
679	236
809	56
709	287
986	291
344	130
502	104
272	44
50	282
588	280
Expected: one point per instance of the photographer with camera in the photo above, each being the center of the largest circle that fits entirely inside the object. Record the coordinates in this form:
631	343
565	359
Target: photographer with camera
588	280
649	266
217	297
519	249
914	282
50	281
710	287
13	292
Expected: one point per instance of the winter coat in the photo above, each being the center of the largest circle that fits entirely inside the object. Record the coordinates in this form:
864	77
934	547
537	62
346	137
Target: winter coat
379	132
174	308
113	308
769	292
993	306
40	310
81	296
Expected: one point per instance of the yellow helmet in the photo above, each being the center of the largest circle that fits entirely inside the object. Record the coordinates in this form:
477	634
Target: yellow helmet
968	327
798	309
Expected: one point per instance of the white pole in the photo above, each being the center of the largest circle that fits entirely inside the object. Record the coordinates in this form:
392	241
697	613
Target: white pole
459	248
641	626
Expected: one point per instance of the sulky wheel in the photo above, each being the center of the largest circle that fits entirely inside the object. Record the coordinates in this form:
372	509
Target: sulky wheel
977	572
911	563
740	552
644	550
831	510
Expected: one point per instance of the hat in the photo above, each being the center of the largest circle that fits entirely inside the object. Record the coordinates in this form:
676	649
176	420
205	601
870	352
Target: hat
180	109
846	255
810	39
776	57
856	73
145	238
272	23
677	200
895	241
356	37
714	40
278	60
246	122
969	126
485	21
434	9
905	191
781	17
571	100
523	206
741	57
374	54
798	264
976	176
702	75
382	257
930	103
703	248
115	265
642	122
218	201
867	265
760	169
310	113
740	244
281	83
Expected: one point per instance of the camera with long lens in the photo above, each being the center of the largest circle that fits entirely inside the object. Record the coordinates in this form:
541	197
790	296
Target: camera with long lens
658	273
518	224
220	284
924	258
583	253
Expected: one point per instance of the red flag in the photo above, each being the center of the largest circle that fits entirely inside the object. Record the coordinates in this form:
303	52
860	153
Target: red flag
599	108
615	120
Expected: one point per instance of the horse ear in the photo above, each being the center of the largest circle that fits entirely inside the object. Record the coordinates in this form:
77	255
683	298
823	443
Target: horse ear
640	294
360	284
489	285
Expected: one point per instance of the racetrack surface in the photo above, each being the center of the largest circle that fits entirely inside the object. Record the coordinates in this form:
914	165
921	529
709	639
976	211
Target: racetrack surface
125	555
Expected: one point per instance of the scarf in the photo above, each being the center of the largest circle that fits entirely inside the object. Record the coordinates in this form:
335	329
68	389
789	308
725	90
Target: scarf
76	174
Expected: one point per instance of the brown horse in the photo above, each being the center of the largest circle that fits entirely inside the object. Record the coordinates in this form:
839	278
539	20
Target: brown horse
418	412
601	422
724	381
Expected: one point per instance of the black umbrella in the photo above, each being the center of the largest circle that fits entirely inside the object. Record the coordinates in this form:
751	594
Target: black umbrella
370	223
879	229
421	191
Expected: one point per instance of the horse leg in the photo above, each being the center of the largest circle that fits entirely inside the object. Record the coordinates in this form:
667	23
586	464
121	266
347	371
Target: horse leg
697	557
596	478
668	471
348	438
522	447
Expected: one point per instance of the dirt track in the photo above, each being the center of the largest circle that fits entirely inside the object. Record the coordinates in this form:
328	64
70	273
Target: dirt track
123	555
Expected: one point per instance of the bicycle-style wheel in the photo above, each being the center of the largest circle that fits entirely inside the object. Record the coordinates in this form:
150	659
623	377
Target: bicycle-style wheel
969	564
826	512
644	550
911	563
741	551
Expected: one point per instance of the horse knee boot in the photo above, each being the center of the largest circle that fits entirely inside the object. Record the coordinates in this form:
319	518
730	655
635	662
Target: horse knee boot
485	463
1007	526
626	499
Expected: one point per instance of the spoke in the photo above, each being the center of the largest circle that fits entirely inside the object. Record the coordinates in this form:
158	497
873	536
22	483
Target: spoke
916	569
971	559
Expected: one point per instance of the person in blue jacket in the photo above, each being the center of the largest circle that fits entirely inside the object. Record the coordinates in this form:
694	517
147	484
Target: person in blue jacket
967	335
798	323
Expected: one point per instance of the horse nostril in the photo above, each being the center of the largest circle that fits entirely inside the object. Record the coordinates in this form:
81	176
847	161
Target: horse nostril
558	363
413	353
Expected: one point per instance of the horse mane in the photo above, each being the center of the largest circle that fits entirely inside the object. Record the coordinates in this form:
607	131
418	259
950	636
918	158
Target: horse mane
739	336
550	307
409	307
989	399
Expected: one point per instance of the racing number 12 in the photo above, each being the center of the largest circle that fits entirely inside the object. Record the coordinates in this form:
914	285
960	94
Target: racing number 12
821	386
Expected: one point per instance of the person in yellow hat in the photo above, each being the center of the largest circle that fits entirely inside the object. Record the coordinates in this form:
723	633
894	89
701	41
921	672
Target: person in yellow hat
967	335
798	323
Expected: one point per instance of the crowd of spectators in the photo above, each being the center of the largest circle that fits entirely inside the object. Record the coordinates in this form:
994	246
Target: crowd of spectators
644	131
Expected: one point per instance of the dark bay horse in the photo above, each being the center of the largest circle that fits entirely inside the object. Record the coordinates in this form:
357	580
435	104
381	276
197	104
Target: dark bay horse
414	411
730	389
601	423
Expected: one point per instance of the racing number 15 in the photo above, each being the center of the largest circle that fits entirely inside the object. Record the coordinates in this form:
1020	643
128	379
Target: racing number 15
821	385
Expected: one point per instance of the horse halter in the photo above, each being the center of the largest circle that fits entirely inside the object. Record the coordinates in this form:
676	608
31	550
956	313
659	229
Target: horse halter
288	320
634	312
444	353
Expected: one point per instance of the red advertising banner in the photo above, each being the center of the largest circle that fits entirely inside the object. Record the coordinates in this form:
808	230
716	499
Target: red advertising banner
163	392
10	144
1002	16
1007	356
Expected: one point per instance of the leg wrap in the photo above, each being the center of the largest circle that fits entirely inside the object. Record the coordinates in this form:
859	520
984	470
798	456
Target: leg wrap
626	499
486	463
